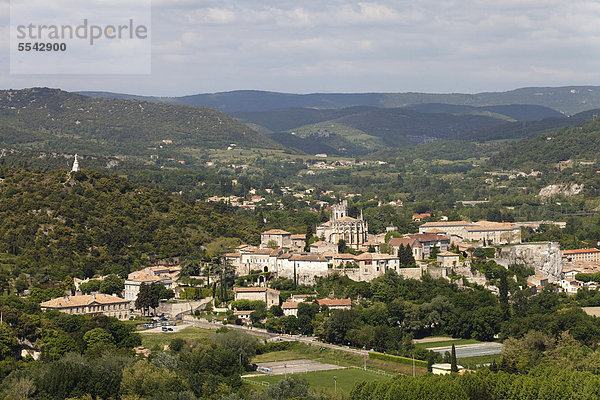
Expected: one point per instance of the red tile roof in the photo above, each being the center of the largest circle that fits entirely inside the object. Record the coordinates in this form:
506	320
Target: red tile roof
334	302
276	232
428	237
289	305
580	251
401	241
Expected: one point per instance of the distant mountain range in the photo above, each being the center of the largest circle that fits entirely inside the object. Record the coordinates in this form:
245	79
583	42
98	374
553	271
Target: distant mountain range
567	100
54	120
361	130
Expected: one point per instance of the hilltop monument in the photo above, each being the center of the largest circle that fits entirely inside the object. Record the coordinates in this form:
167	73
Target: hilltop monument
75	165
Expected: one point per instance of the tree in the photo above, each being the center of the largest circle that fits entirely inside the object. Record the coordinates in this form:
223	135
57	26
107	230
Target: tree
479	253
289	388
405	255
276	310
56	344
147	298
435	250
21	283
342	247
162	292
503	297
8	341
176	344
453	365
430	361
90	286
241	344
308	237
112	284
97	336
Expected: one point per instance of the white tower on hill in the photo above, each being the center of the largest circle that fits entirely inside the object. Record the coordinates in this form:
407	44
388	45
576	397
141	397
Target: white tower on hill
75	165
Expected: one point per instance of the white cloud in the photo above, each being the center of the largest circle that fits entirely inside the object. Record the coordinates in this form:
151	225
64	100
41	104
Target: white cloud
375	45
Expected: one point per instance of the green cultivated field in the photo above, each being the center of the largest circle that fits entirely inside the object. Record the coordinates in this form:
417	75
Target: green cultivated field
346	378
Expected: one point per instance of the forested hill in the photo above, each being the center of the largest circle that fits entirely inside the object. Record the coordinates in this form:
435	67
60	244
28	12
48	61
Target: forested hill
54	120
567	99
53	226
580	143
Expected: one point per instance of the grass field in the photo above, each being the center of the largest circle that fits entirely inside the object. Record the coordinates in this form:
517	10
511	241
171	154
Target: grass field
159	339
345	378
326	355
473	362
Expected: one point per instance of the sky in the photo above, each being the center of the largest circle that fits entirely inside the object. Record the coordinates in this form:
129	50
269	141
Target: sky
307	46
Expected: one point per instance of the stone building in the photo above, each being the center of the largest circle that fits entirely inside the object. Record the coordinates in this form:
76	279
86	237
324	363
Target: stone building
493	233
343	227
581	255
277	238
165	275
92	304
268	295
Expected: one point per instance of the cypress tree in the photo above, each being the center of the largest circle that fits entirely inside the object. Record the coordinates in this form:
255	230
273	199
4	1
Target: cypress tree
453	365
401	254
410	260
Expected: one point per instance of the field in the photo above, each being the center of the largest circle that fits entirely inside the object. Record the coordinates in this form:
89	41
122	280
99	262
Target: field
325	355
473	362
324	380
160	339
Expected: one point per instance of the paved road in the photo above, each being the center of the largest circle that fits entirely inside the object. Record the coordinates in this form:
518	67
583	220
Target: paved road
471	350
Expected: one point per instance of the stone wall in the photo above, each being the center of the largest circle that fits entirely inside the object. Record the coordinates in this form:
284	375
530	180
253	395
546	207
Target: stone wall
411	273
173	309
545	257
367	275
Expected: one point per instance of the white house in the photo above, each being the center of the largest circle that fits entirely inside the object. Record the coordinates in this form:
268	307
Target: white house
444	369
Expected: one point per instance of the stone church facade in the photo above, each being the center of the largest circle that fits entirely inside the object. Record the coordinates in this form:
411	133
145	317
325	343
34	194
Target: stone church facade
341	226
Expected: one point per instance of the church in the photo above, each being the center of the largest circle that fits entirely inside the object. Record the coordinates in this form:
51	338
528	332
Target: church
341	226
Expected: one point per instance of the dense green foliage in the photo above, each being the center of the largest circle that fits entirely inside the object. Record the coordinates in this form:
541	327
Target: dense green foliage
578	143
93	223
205	369
56	333
537	366
54	120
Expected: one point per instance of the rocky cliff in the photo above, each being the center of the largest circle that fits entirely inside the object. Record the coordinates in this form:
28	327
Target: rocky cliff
544	257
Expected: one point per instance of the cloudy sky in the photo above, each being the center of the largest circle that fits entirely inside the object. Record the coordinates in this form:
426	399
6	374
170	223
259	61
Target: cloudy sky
352	46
